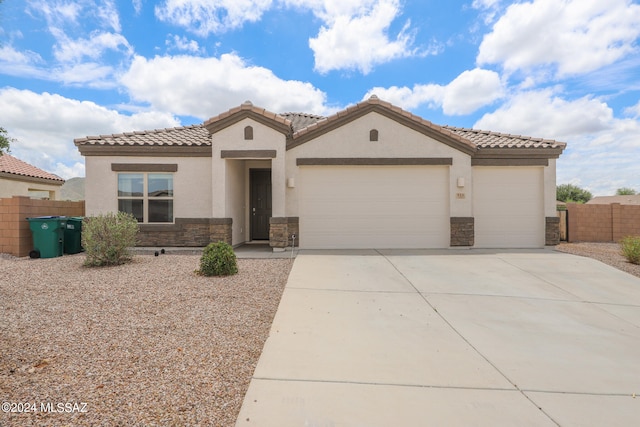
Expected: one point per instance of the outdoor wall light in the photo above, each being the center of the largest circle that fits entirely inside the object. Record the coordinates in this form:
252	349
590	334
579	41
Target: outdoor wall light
460	182
291	183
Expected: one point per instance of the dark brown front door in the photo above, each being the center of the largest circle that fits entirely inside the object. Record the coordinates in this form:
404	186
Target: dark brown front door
260	209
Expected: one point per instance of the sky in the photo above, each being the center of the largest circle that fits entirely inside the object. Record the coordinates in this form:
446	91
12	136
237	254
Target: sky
567	70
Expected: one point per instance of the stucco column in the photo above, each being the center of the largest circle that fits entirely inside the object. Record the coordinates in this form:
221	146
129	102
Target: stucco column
218	185
278	185
550	189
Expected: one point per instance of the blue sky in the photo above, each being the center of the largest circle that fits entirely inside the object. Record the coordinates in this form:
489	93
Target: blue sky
559	69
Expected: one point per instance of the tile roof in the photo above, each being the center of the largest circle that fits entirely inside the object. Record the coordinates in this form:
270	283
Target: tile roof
14	166
301	120
247	106
302	124
487	139
194	135
375	101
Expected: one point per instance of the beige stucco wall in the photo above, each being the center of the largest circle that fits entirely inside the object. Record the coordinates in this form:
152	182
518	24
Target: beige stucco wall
235	200
18	187
550	200
191	184
395	140
232	138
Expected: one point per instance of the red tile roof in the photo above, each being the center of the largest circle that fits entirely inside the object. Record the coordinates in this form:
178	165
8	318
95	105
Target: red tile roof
14	166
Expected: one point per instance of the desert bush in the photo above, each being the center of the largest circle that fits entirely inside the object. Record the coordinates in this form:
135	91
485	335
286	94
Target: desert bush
631	249
218	259
107	238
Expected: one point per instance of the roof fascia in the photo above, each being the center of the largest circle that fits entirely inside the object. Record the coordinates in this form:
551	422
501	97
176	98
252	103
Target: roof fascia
33	179
146	150
518	153
216	125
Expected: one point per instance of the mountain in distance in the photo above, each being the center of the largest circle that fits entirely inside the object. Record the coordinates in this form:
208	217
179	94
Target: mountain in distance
72	189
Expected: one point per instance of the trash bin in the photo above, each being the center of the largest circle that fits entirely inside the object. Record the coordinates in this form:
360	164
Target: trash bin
73	235
48	236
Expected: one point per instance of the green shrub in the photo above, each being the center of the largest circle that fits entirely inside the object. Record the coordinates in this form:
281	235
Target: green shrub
107	238
218	259
631	249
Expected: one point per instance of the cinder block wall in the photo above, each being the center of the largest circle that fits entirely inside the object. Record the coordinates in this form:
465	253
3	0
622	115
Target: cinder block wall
602	223
626	221
15	234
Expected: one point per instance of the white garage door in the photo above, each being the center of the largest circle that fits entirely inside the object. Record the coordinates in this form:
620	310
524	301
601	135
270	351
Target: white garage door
508	207
356	207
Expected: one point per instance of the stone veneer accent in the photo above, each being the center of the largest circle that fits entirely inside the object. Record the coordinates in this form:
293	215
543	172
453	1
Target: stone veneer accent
552	231
462	231
281	229
197	232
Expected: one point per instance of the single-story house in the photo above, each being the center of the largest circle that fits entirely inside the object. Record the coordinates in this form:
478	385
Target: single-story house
623	200
370	176
18	178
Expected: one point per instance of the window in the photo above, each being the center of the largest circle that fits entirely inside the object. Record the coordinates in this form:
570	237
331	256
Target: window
148	196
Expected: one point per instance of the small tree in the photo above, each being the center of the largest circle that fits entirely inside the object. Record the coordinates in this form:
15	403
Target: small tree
5	141
107	238
626	191
570	193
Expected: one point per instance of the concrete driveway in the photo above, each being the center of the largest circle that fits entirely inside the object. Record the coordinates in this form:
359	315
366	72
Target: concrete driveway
416	338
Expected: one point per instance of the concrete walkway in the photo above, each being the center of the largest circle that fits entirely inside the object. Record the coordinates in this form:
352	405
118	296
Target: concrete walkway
450	338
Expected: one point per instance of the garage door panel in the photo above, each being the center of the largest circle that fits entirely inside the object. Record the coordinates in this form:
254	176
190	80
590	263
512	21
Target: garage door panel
374	207
508	207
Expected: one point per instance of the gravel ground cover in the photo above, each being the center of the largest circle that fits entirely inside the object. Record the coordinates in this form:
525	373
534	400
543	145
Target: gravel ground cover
147	343
608	253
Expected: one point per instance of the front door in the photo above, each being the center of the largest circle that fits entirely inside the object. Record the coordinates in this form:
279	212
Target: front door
260	206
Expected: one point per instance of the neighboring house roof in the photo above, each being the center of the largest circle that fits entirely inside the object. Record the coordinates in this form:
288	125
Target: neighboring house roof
623	200
301	127
11	167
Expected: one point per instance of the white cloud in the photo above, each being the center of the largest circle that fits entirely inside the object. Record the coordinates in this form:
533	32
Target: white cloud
544	114
21	63
70	50
82	59
182	43
359	42
571	36
354	34
205	87
467	93
45	125
137	6
489	9
471	90
410	98
203	17
89	74
602	149
107	12
633	111
57	12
